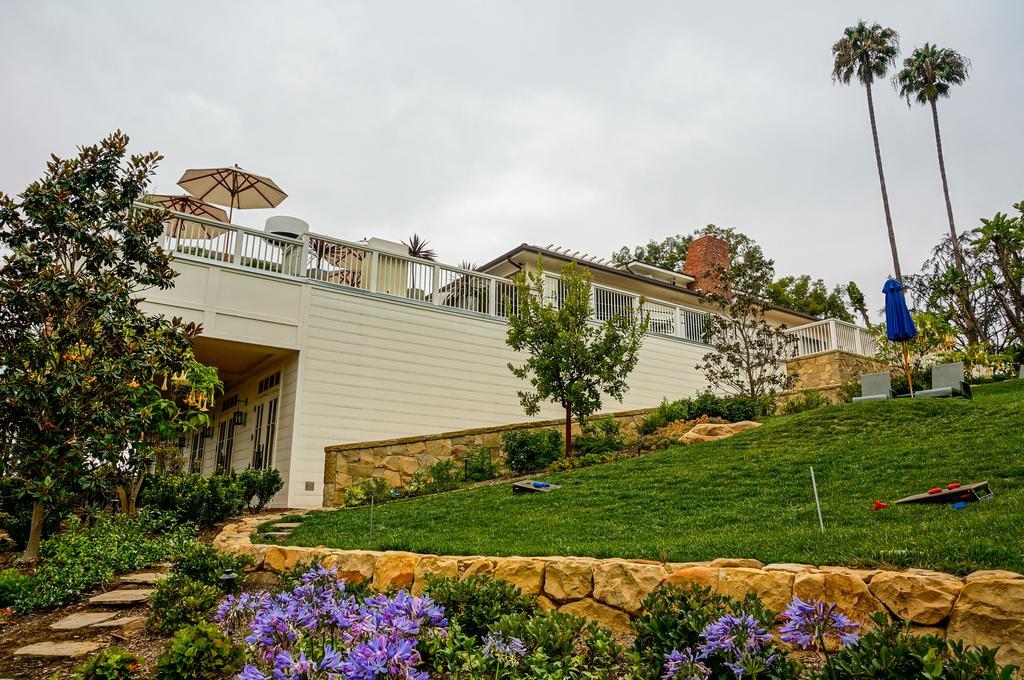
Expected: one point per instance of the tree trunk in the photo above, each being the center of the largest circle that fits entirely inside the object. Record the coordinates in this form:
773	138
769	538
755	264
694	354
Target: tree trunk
35	534
970	322
568	432
881	181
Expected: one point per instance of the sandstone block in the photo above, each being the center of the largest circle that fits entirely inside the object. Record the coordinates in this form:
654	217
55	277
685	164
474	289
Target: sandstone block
624	585
848	592
612	619
395	570
568	579
990	612
390	476
415	448
439	448
524	573
438	566
702	576
736	562
916	596
353	565
774	588
992	574
480	566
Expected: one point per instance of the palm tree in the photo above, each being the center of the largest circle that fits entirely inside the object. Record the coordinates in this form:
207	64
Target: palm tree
928	74
866	52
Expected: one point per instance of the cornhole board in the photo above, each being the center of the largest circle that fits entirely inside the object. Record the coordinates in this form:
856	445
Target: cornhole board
967	493
531	486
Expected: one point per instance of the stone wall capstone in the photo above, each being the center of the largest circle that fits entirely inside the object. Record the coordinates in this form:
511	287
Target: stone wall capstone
985	608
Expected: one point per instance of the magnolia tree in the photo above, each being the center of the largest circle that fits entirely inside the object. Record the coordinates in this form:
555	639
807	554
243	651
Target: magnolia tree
573	359
88	377
749	353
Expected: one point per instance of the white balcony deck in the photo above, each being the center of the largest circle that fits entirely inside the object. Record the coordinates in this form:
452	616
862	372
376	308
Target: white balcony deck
332	262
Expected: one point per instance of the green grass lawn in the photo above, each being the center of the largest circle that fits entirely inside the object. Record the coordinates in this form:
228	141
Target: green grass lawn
750	496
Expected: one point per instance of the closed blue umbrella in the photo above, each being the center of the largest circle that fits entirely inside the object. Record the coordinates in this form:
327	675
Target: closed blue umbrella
899	325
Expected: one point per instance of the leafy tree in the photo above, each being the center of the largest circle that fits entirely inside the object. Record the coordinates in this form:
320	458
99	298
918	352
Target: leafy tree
811	297
670	253
573	359
856	297
928	74
866	53
749	353
86	373
1000	244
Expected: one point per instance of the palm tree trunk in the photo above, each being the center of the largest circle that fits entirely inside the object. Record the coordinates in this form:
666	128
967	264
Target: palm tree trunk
970	322
881	181
958	256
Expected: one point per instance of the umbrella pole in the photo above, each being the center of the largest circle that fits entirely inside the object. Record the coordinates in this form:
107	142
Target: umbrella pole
906	366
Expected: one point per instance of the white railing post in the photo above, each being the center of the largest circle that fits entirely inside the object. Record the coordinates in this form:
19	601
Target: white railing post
374	269
435	285
492	297
834	332
678	321
239	241
858	342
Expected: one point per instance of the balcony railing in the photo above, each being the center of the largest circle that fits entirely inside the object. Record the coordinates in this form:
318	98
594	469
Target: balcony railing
351	265
833	334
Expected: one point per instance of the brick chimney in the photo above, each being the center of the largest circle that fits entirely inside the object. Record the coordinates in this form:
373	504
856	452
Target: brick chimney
705	254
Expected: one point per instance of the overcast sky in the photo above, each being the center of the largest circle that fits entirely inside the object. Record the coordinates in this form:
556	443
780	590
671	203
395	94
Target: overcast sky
482	125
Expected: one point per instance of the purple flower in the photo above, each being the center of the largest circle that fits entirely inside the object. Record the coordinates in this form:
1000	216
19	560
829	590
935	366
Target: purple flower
744	646
506	651
684	666
813	624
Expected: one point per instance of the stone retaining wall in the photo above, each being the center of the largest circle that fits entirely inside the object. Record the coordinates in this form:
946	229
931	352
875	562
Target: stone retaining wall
831	369
397	459
985	608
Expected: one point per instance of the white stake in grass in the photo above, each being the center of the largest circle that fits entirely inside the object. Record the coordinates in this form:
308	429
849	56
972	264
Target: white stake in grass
817	502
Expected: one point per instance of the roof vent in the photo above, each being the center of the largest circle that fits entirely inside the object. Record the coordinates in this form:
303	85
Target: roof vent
283	225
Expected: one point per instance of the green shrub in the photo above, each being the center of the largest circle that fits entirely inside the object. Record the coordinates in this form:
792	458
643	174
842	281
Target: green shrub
891	650
441	477
531	450
81	558
476	602
260	485
675	615
203	563
479	465
561	644
180	601
200	652
666	412
600	436
361	492
808	401
190	497
13	587
113	663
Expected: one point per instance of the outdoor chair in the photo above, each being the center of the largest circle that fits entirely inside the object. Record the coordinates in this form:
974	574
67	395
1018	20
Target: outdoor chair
875	386
947	381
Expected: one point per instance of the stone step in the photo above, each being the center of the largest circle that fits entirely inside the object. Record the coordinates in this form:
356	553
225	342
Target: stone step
81	620
144	578
122	598
278	534
123	622
53	649
287	525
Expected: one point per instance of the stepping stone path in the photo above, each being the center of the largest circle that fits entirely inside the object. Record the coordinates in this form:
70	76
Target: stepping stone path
81	620
60	650
122	598
281	529
98	621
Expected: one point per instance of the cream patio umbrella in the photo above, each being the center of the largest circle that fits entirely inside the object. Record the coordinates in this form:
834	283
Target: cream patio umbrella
177	227
233	187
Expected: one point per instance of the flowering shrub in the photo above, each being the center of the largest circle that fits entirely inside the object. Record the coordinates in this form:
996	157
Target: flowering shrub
112	663
318	630
814	625
477	602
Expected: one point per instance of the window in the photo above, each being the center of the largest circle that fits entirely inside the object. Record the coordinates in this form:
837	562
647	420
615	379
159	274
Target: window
196	454
269	382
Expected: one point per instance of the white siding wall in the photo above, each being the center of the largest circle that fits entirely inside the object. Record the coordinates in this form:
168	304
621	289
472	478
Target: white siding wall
373	368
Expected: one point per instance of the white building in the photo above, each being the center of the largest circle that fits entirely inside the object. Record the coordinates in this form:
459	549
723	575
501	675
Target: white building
321	341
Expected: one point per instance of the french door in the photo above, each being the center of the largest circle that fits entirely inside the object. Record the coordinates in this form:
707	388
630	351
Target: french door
225	443
264	415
